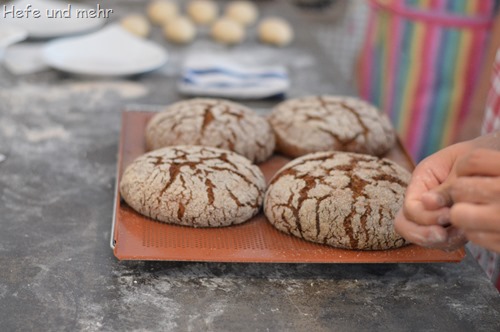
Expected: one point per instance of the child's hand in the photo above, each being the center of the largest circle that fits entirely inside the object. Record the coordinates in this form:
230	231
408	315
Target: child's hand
429	225
454	195
473	197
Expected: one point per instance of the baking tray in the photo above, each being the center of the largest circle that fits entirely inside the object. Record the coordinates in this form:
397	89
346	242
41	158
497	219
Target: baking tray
136	237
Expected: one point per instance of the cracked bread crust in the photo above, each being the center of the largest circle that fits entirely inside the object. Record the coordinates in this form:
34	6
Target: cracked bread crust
194	186
330	123
341	199
212	122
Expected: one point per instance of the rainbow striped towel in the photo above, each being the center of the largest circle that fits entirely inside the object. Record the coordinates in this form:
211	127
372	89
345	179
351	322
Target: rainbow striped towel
220	76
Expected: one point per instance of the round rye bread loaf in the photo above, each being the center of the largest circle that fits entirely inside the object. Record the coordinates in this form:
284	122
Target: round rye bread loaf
212	122
330	123
194	186
346	200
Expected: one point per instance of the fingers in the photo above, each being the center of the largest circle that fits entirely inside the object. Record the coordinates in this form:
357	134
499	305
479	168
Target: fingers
438	197
430	195
472	189
437	237
429	174
421	235
479	162
449	188
416	211
476	218
476	189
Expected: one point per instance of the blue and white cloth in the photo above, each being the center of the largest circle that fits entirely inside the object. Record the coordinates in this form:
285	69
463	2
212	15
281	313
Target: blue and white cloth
220	76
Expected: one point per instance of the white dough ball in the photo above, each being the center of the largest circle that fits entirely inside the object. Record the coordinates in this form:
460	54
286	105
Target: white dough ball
180	30
275	31
202	12
227	31
136	24
162	11
244	12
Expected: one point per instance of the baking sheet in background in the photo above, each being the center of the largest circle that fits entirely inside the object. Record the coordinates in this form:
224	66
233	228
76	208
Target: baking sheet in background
136	237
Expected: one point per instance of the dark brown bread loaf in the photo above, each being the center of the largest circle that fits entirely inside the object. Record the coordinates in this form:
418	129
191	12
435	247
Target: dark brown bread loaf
341	199
212	122
194	186
326	123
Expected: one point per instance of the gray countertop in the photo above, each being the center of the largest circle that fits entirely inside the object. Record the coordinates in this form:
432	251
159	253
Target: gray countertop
59	136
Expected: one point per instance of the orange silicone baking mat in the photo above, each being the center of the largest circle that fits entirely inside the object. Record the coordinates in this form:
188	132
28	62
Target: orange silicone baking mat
136	237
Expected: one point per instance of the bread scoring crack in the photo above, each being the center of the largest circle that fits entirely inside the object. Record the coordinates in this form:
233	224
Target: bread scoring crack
337	198
319	123
194	186
212	122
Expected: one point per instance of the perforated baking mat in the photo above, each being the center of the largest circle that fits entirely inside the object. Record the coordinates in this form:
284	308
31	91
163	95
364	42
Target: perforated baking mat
135	237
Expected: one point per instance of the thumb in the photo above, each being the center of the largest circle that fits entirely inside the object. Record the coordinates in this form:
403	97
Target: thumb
438	197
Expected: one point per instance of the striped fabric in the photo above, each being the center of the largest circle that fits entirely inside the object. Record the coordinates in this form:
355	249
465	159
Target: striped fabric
492	115
419	63
488	260
216	75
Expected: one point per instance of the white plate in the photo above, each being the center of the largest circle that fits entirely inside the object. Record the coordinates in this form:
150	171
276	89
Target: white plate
46	26
111	51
